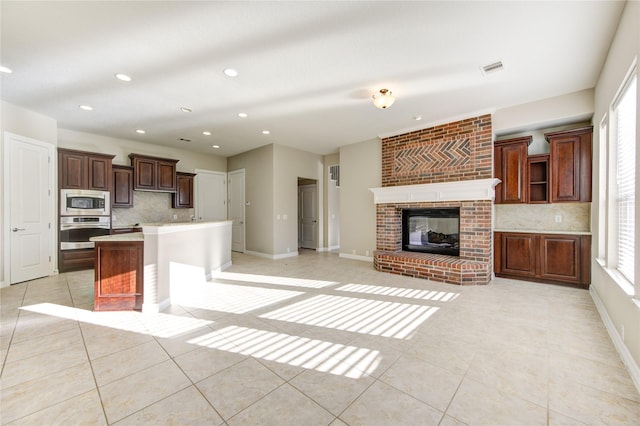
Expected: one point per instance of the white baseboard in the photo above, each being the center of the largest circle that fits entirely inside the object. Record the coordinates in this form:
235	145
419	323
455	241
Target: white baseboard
154	308
625	355
272	256
330	248
357	257
216	271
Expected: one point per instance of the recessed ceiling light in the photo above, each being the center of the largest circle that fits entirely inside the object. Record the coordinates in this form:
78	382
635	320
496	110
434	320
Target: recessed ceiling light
215	146
123	77
142	132
266	132
230	72
417	117
86	107
186	109
243	115
5	70
206	133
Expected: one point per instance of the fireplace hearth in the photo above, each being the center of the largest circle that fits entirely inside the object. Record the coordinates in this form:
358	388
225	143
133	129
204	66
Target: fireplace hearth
435	230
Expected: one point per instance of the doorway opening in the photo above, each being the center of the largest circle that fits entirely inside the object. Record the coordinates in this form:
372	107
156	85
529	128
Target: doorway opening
307	213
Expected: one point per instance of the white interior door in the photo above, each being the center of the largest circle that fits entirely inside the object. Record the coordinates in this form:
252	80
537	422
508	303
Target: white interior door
29	192
308	216
236	203
211	195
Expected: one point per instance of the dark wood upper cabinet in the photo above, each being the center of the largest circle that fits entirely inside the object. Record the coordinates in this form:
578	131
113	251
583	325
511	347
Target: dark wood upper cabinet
153	174
183	197
84	170
570	163
510	159
122	189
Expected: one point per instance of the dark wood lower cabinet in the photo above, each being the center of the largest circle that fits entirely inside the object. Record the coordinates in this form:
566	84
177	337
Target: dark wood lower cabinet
552	258
75	260
118	275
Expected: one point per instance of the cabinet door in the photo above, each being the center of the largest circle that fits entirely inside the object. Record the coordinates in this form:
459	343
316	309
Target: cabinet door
99	173
511	168
518	254
565	164
145	174
166	176
118	276
560	258
570	160
183	197
122	193
72	173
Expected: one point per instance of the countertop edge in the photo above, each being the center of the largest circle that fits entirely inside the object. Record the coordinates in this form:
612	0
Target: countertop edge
538	231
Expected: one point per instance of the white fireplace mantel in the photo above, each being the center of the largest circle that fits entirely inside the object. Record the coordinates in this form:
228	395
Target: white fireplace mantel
466	190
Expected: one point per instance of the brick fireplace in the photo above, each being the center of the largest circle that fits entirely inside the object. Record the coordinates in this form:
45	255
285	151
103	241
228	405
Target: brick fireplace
443	166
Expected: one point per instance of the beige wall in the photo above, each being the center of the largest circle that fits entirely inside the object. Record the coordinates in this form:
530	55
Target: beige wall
621	307
259	190
121	148
550	112
21	122
289	165
360	169
331	198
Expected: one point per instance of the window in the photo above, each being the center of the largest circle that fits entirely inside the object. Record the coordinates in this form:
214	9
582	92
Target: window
624	110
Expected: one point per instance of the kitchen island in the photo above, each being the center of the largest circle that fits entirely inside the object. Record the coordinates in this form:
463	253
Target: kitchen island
142	270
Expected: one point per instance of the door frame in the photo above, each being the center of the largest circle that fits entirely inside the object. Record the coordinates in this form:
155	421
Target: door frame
9	139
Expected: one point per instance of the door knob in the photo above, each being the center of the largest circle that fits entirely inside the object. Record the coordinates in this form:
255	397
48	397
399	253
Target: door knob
18	229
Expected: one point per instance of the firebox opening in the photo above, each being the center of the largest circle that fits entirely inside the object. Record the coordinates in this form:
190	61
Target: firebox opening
431	230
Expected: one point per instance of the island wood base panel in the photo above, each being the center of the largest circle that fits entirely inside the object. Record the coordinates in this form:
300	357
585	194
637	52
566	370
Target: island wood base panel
118	275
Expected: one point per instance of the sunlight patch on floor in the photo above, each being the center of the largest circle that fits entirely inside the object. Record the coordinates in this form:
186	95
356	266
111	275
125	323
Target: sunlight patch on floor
159	325
375	317
274	280
411	293
327	357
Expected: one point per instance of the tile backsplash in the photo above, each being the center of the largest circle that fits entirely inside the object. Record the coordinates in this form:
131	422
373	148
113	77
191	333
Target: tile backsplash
150	207
574	217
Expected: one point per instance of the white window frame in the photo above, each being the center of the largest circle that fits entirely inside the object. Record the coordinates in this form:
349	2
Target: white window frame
611	191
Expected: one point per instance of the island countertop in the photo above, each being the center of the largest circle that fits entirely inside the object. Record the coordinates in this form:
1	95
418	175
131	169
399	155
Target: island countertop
131	236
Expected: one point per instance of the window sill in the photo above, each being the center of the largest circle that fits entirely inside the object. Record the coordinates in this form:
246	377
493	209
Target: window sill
618	278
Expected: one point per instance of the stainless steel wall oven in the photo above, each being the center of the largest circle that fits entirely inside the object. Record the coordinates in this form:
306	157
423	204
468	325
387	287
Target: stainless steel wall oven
75	231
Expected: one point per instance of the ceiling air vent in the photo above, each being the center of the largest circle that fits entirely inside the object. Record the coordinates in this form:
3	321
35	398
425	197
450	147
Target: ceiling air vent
491	68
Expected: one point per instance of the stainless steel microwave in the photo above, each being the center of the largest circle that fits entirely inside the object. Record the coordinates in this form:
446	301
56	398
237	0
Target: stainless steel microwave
81	202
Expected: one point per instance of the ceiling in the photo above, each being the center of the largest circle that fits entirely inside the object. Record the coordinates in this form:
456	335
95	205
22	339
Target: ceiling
307	70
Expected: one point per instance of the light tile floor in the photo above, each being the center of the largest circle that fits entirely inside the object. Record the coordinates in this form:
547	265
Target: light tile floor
312	340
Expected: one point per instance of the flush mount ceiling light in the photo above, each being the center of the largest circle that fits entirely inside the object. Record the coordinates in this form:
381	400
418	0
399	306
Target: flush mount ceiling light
86	107
206	133
5	70
266	132
417	117
230	72
123	77
243	115
215	146
384	99
142	132
186	109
